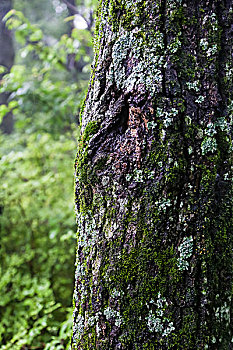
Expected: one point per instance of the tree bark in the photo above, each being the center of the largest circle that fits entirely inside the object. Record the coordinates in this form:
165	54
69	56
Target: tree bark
154	179
6	60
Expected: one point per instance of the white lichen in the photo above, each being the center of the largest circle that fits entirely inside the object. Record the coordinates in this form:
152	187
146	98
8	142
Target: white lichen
114	315
145	67
209	145
78	328
185	250
87	236
117	293
156	321
200	99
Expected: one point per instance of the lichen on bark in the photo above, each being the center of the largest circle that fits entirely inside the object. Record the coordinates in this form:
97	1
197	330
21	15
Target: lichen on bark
154	180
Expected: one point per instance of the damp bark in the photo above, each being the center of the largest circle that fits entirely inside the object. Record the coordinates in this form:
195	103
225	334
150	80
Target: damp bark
154	179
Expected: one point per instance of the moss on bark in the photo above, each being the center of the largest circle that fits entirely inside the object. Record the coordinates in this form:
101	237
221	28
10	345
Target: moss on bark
154	180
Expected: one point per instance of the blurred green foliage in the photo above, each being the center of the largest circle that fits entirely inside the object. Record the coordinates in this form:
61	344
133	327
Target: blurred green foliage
43	86
37	237
37	219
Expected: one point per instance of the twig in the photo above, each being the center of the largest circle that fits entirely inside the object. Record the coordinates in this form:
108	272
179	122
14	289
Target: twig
77	12
72	7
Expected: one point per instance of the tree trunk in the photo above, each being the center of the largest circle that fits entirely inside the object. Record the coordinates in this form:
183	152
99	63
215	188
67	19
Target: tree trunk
154	179
6	60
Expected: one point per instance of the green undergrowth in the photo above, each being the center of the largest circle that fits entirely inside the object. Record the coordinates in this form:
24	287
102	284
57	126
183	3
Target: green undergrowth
37	240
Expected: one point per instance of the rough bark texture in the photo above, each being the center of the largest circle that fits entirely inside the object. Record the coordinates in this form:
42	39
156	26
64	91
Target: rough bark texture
154	179
6	60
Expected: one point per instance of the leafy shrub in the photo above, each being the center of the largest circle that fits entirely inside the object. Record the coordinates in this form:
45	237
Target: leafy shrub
45	95
36	196
37	237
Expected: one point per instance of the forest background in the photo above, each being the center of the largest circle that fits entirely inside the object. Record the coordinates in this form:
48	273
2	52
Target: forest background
45	89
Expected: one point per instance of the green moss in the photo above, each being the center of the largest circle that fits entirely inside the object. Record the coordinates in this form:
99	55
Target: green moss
129	14
90	129
141	243
131	272
83	166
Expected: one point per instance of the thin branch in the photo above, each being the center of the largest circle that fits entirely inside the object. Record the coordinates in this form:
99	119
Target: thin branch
75	10
72	7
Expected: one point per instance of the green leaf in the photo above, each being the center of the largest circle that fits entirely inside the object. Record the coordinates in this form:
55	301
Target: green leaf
68	19
12	104
3	111
9	14
37	35
20	37
3	69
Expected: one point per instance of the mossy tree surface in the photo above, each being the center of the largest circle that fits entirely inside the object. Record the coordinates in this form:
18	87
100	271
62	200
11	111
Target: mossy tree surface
154	179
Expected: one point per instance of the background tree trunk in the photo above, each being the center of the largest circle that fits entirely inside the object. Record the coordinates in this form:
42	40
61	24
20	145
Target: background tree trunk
6	60
72	63
154	180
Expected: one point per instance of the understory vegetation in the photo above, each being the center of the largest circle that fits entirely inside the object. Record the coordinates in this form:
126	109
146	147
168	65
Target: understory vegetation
38	231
